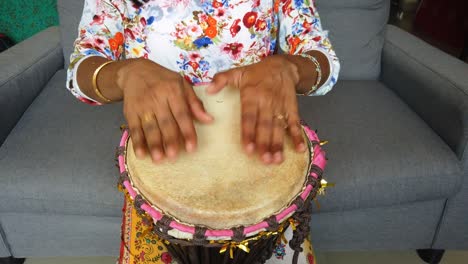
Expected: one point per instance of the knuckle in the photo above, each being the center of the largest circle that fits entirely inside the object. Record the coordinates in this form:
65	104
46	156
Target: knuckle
248	134
135	134
165	122
187	128
248	118
262	147
154	143
265	123
181	115
277	146
150	126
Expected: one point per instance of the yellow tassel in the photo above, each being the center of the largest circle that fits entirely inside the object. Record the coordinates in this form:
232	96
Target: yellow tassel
244	245
317	204
323	186
323	142
292	223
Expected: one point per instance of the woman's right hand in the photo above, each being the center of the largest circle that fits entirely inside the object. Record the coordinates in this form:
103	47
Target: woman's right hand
159	106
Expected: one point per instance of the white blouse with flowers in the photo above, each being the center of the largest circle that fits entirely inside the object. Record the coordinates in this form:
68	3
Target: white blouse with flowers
199	38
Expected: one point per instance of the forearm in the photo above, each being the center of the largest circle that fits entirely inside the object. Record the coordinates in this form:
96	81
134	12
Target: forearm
106	79
307	70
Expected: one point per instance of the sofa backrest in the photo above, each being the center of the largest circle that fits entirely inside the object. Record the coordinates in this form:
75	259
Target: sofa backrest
356	29
70	12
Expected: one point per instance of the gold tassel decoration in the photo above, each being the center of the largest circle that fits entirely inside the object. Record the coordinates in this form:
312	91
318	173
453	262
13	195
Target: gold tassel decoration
244	245
324	185
321	191
292	223
323	142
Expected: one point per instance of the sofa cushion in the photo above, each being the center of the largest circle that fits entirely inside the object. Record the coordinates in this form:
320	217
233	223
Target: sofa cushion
70	12
380	152
4	252
356	29
60	157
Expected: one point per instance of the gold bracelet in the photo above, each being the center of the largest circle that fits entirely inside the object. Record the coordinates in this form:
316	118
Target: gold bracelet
319	73
95	86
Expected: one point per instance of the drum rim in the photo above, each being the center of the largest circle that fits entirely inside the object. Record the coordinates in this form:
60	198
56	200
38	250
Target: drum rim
189	231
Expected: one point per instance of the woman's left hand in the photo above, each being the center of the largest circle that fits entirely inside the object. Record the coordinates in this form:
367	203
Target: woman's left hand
269	105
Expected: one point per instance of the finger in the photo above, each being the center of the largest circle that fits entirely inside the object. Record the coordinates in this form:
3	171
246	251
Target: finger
196	106
277	141
249	114
295	131
223	79
180	111
263	134
153	137
220	80
137	136
294	125
169	130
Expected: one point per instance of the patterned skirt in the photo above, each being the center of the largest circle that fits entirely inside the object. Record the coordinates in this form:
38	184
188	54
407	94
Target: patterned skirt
140	246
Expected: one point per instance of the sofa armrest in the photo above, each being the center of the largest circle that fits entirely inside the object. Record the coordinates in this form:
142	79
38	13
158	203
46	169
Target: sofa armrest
433	83
24	70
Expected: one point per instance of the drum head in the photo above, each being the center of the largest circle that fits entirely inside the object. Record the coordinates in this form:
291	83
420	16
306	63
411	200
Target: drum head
219	186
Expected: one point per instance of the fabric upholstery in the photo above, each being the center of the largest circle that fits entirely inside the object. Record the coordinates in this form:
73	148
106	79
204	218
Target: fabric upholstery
24	71
70	12
4	252
453	230
434	84
357	29
380	152
59	159
402	227
46	235
376	228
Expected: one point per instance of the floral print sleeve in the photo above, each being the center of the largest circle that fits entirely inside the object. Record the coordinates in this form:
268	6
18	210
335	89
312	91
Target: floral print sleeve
301	31
101	33
198	38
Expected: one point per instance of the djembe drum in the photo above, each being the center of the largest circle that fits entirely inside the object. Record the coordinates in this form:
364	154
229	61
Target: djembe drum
219	205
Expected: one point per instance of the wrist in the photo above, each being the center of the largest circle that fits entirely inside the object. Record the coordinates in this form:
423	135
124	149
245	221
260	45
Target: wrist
123	69
291	67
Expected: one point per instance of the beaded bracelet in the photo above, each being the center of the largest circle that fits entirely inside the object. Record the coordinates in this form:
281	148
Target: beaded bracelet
95	86
319	73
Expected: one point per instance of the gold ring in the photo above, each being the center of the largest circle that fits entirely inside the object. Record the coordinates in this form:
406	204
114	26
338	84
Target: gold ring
281	117
147	118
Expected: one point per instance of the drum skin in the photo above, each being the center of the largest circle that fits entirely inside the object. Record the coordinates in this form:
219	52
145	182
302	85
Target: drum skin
219	186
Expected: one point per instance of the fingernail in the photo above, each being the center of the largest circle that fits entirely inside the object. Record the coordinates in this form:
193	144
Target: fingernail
171	153
157	155
190	147
278	157
140	153
209	117
266	158
250	148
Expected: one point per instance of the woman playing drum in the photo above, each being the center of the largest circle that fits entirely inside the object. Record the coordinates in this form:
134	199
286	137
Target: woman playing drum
149	54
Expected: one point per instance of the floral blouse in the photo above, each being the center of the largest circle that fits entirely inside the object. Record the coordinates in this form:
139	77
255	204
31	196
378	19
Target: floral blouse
199	38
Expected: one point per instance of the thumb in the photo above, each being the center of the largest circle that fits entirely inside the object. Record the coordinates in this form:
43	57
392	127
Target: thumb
221	80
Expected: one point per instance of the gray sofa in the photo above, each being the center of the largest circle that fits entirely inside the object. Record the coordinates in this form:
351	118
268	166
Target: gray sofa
397	123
